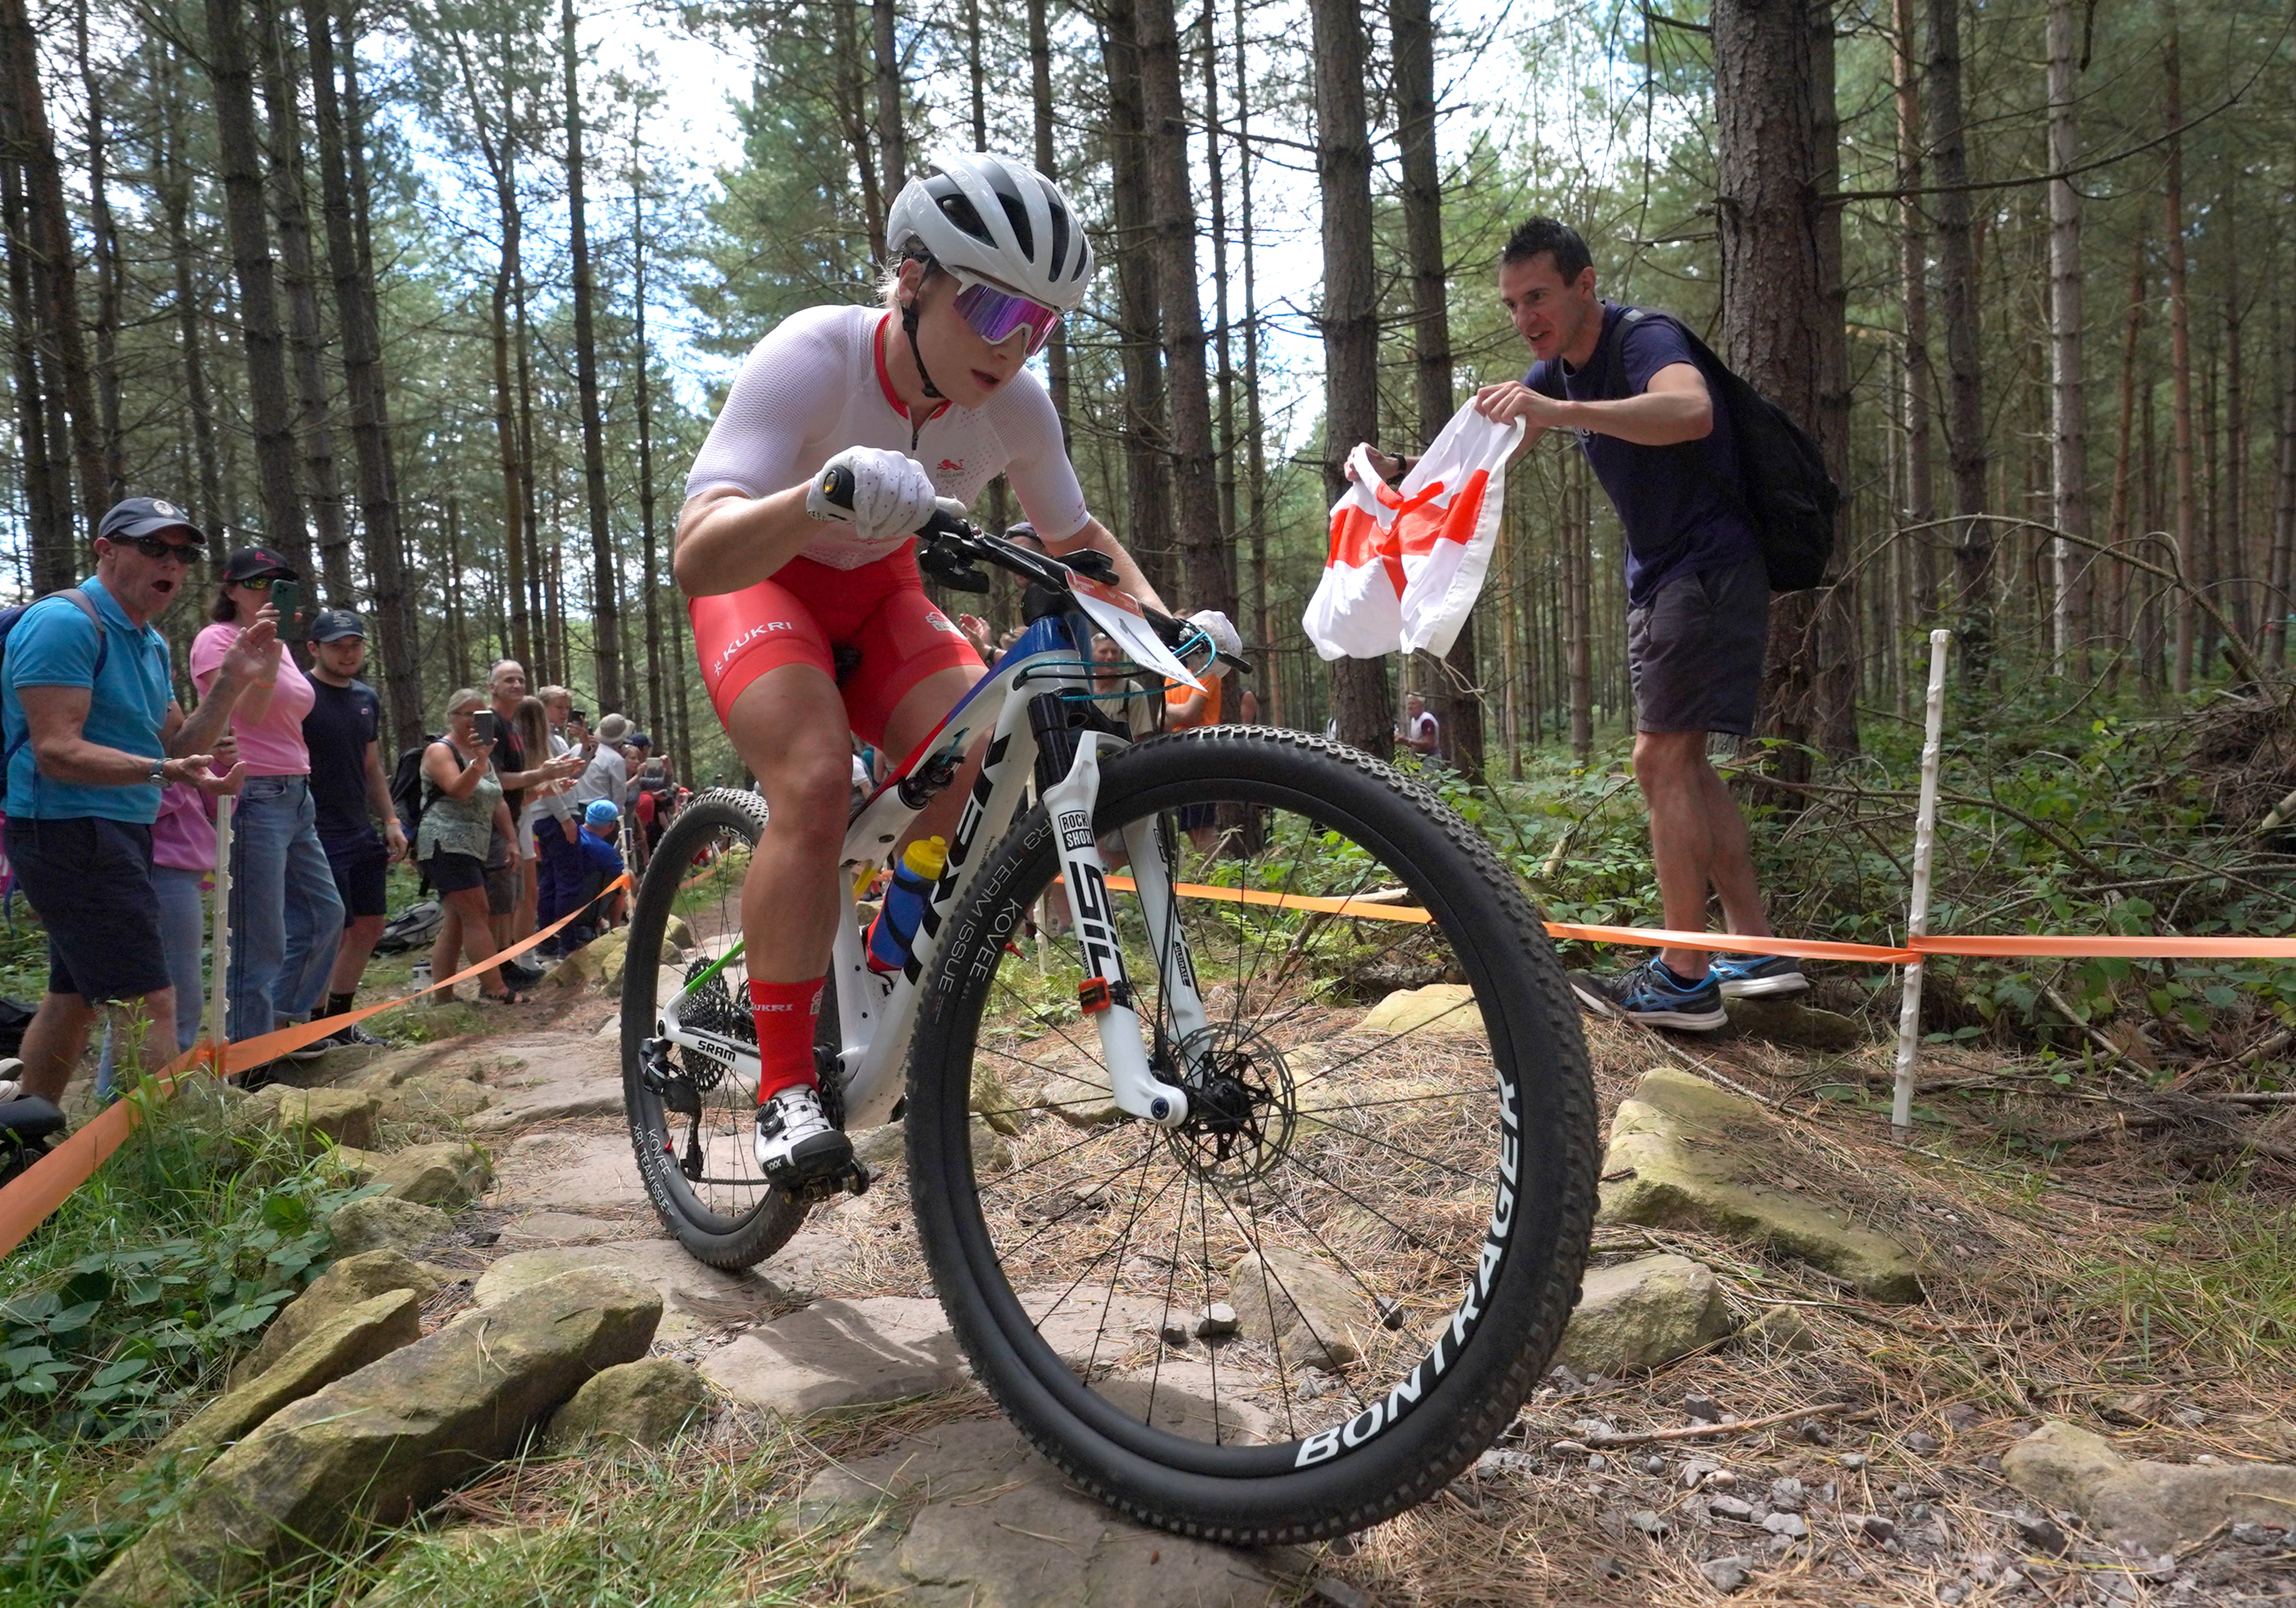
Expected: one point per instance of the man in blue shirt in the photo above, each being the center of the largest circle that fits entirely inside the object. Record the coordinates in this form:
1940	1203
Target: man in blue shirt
1698	600
601	864
92	735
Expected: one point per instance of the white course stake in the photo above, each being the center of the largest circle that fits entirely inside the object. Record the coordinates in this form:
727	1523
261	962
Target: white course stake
1917	921
219	996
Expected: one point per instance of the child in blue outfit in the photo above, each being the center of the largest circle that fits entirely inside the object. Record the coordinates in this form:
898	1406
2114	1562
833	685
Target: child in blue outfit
599	863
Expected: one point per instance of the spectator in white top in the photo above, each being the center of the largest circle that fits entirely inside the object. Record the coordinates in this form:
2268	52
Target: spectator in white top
1421	732
608	774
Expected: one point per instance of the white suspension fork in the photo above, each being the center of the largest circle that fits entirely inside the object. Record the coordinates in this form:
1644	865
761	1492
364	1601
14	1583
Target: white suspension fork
1176	970
1069	803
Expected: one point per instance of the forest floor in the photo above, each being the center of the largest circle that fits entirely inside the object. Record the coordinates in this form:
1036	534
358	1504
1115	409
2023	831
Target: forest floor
2075	1269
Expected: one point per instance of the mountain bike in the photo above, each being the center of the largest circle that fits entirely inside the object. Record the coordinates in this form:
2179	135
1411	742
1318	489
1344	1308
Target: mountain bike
1246	1261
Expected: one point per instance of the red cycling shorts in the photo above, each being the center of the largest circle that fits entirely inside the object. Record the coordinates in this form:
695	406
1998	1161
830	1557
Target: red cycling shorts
871	630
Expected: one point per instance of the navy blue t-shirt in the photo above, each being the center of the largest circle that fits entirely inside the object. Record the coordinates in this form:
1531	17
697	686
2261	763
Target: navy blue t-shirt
342	722
1680	504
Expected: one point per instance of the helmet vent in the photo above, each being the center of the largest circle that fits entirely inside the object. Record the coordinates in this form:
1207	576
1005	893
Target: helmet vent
1017	215
959	210
1060	215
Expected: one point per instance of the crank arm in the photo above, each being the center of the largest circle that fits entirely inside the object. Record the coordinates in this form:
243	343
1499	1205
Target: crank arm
1069	803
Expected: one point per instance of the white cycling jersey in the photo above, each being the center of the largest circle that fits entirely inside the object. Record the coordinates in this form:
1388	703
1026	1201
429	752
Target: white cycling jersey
817	384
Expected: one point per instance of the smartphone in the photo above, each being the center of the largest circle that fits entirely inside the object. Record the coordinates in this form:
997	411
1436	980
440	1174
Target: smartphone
486	726
580	717
286	597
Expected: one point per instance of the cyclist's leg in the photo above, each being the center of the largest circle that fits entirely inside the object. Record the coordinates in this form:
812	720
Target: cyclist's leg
914	667
767	663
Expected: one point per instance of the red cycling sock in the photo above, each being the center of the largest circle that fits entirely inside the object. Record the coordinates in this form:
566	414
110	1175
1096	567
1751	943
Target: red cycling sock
786	1014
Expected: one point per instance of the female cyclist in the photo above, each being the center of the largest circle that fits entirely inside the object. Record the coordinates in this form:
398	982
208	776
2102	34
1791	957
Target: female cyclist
809	619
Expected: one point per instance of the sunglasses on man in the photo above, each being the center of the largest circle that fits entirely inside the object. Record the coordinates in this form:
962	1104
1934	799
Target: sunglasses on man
160	547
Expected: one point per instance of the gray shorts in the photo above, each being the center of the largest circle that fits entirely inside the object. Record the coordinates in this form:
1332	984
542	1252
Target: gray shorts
1695	653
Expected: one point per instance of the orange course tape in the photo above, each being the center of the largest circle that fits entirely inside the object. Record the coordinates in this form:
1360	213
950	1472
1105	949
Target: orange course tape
45	1186
1800	949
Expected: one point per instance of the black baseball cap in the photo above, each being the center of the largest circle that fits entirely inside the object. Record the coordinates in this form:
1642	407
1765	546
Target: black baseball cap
248	562
140	516
333	624
640	740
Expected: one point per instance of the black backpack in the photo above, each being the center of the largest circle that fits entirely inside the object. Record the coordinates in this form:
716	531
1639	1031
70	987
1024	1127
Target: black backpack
1789	497
408	794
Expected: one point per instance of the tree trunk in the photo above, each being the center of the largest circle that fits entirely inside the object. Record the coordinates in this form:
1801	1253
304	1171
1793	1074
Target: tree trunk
2276	600
1217	172
1780	318
849	94
2117	529
1040	102
1139	324
1262	626
104	237
298	279
259	339
45	231
174	182
2180	359
1350	317
1920	395
1972	552
891	142
1458	690
1578	611
2233	567
343	202
605	622
1209	562
656	707
48	476
2068	395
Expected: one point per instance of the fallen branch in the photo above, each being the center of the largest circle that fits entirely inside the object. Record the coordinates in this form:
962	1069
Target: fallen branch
1697	1431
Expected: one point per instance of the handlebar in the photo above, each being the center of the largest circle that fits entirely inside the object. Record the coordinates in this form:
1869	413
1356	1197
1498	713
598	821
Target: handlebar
951	549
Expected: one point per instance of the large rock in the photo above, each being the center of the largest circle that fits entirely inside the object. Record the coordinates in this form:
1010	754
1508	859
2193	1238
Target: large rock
435	1099
309	1116
841	1353
343	1344
378	1443
1796	1025
697	1300
447	1174
1304	1305
351	1282
1684	1153
1440	1007
599	961
1641	1314
380	1223
2158	1505
970	1515
641	1404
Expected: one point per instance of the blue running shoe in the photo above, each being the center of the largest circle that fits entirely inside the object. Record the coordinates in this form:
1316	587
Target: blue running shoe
1755	976
1652	993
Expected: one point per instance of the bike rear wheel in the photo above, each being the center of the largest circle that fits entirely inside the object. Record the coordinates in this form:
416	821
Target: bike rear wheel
691	1124
1396	1207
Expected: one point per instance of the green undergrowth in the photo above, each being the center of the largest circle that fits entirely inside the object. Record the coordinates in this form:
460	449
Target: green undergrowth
2216	1282
126	1310
2088	823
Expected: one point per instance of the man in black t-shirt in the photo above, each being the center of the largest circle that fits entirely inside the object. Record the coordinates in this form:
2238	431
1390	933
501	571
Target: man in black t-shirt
1698	598
351	792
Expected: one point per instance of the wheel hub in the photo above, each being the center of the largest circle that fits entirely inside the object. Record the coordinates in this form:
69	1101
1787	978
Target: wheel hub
1242	1111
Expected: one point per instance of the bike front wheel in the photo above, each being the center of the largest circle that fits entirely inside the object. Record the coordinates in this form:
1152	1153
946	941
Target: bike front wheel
1395	1202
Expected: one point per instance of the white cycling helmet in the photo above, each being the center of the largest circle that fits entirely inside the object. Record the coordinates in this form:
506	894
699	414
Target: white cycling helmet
998	217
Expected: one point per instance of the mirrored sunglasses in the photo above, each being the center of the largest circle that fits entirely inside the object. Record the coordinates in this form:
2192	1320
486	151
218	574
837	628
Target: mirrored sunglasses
259	583
997	316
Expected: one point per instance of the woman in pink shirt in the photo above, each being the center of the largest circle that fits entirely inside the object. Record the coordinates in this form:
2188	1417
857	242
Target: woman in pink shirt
286	917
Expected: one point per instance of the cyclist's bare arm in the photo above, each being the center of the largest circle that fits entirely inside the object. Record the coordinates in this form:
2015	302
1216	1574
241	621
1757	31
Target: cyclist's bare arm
727	541
1129	577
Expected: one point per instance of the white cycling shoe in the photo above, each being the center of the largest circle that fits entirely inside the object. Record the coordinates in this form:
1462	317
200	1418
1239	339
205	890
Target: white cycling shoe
796	1142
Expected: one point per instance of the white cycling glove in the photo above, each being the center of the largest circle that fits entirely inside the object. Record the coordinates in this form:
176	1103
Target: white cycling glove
892	495
1222	631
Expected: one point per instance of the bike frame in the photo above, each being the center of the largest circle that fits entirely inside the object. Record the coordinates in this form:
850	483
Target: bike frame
1053	657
